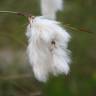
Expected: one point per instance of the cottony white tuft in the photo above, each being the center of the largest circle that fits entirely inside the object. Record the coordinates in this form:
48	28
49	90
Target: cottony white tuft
47	49
50	7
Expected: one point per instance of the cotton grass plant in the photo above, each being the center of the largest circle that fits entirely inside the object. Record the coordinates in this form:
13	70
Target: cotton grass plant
47	49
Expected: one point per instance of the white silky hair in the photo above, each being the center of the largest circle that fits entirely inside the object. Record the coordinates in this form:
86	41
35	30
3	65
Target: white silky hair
46	57
49	8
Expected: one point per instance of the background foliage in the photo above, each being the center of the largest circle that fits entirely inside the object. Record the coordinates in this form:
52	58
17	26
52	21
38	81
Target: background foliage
16	77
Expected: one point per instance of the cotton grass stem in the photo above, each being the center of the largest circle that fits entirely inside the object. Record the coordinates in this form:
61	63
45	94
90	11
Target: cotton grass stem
13	12
25	14
17	13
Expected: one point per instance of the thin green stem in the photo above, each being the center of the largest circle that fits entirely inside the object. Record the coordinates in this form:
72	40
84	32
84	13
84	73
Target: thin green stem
13	12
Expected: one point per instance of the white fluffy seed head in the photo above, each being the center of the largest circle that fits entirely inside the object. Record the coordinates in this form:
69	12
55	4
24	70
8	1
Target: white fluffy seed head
50	7
46	57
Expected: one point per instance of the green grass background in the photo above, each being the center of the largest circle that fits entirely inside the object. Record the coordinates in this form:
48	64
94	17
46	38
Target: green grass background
81	81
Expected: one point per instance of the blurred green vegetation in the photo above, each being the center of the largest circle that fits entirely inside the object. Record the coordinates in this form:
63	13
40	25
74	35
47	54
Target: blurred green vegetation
81	81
